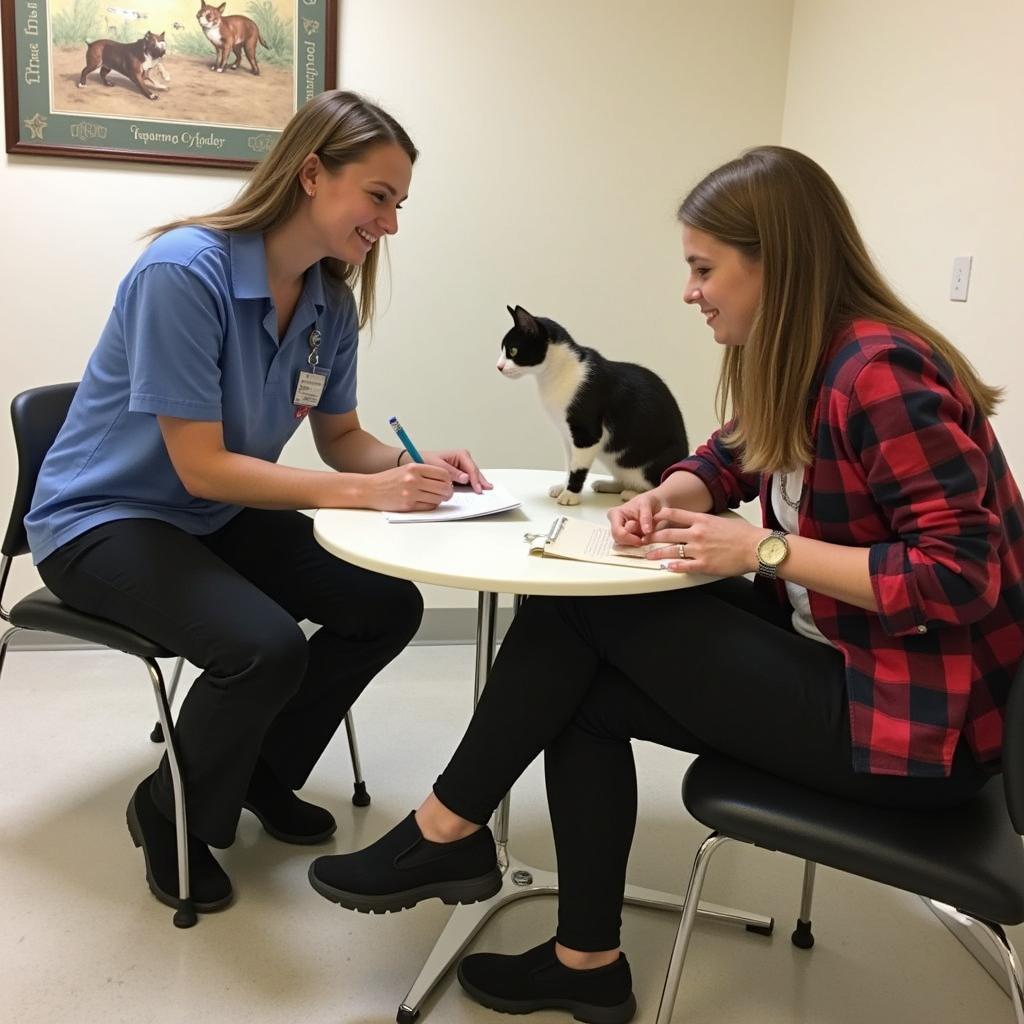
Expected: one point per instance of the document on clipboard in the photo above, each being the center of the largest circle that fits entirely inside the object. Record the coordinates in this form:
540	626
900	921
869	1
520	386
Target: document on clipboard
582	541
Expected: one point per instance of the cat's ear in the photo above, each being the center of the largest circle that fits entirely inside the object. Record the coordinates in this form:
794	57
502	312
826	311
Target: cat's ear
526	323
220	7
161	36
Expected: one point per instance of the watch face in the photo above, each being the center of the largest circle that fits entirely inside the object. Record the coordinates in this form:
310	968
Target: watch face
772	550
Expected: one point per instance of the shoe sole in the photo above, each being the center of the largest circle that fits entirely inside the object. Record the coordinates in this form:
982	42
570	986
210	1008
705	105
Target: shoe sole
467	890
286	837
135	831
585	1012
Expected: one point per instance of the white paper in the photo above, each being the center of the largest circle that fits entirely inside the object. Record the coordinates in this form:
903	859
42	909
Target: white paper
590	542
463	504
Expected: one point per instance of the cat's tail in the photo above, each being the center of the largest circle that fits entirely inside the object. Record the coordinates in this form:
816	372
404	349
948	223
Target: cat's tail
259	36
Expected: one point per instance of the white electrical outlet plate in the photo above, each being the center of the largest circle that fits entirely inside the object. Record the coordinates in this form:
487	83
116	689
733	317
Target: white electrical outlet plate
961	278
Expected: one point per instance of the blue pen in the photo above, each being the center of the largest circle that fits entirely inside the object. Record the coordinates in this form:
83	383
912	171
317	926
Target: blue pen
404	438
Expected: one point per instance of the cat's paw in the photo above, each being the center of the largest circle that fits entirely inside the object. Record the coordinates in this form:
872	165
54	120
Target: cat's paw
606	486
555	490
627	495
567	497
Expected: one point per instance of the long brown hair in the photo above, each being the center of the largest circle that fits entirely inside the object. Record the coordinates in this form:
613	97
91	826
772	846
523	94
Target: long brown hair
778	206
340	127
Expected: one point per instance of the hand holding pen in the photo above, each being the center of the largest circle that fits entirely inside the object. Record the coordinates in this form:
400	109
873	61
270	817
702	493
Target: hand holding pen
459	463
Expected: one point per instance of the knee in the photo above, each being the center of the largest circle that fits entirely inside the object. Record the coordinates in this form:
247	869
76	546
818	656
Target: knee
395	608
281	654
602	712
409	601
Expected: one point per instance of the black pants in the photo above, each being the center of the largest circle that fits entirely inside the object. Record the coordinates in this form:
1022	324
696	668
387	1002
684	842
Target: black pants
230	603
712	668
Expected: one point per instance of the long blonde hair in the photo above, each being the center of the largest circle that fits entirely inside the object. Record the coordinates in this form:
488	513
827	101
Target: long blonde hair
778	206
340	127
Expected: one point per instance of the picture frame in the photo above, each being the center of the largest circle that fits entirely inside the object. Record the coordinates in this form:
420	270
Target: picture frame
227	80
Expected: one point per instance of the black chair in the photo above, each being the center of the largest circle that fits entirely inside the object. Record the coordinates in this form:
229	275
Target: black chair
968	860
37	416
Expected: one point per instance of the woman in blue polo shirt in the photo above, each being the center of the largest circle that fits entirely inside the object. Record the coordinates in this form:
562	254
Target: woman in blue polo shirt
161	506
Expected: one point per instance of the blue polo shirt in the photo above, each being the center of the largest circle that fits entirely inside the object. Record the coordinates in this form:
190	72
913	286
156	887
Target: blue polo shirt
193	334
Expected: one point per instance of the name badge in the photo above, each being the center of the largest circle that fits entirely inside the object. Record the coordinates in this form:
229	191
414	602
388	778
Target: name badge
309	388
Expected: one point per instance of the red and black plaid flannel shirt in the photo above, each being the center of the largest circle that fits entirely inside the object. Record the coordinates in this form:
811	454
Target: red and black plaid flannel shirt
905	465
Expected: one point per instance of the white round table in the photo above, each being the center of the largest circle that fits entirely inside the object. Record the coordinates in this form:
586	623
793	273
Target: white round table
491	556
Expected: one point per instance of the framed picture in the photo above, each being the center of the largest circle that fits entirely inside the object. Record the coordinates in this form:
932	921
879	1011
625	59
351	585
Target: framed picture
162	81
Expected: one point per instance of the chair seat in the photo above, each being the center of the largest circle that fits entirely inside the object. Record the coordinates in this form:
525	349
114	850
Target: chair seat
43	610
969	856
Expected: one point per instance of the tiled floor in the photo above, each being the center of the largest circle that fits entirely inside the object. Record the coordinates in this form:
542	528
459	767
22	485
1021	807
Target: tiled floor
82	940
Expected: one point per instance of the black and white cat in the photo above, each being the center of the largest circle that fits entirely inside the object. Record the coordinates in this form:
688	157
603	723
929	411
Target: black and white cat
619	413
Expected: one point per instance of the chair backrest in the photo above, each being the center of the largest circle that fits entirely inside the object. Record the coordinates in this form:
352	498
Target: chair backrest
37	416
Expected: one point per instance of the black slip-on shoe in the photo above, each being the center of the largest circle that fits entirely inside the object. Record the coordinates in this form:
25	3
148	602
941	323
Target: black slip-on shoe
402	868
282	814
538	980
209	885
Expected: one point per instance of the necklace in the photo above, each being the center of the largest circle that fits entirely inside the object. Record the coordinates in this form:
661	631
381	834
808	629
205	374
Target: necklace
795	505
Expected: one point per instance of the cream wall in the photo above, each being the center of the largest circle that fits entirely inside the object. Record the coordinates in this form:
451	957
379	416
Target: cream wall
557	140
915	109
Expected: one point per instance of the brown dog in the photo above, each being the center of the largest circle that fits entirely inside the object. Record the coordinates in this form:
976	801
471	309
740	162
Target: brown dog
133	60
230	33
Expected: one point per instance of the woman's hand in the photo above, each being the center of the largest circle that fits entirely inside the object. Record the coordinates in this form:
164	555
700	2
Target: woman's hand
633	519
460	467
411	487
713	545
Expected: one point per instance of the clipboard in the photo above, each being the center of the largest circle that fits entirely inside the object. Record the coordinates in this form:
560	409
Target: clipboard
583	541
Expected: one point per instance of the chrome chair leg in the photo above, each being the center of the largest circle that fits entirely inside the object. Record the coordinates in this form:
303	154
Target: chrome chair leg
5	641
802	936
1011	962
690	901
157	735
359	795
185	915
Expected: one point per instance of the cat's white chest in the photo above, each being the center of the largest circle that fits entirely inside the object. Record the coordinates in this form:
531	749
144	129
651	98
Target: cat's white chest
148	62
560	382
212	33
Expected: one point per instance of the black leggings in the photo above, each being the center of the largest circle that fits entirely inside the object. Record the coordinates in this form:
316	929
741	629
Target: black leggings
712	668
230	602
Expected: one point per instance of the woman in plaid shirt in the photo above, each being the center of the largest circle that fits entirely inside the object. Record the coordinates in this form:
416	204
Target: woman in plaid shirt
872	655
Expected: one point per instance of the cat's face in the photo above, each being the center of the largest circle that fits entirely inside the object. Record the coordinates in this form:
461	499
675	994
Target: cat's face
525	347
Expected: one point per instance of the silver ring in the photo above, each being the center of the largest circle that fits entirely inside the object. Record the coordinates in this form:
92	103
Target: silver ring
681	548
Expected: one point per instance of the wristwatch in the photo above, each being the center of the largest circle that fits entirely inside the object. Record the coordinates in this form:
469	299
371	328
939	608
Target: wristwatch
771	553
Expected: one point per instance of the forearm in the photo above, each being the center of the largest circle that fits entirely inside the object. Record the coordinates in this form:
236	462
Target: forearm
835	570
358	451
256	483
684	490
